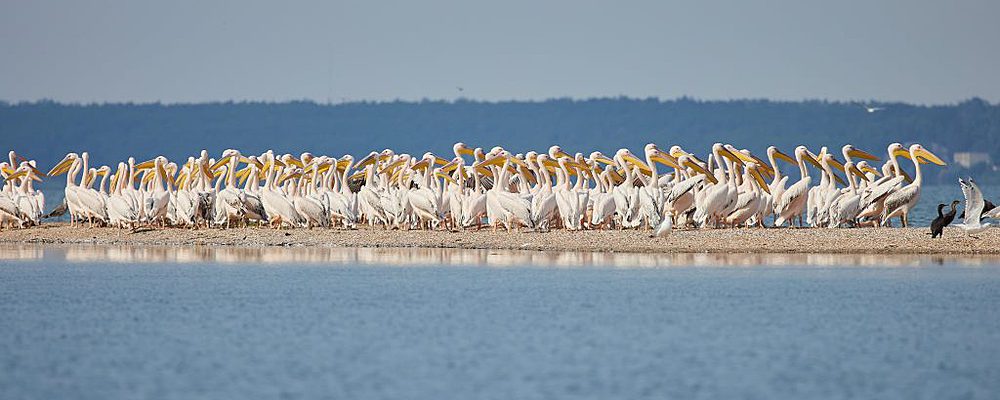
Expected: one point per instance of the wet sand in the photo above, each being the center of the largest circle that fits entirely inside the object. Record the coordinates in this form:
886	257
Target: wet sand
855	241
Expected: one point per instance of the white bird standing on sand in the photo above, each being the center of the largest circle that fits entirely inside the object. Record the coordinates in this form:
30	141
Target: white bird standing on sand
666	226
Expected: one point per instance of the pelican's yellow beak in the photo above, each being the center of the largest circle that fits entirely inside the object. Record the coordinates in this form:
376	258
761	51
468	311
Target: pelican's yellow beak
61	167
356	175
755	173
146	178
812	160
222	161
834	162
420	165
467	151
445	177
145	165
391	165
182	179
495	160
243	173
7	170
296	162
906	154
927	155
440	161
449	167
367	160
35	172
561	153
862	154
637	162
872	170
857	172
765	168
732	156
665	159
603	159
518	161
784	157
16	175
205	170
482	170
698	168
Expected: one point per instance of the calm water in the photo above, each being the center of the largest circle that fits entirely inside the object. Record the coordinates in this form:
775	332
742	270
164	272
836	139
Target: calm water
101	322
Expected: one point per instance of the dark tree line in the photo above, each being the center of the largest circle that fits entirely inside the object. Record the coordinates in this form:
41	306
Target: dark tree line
47	130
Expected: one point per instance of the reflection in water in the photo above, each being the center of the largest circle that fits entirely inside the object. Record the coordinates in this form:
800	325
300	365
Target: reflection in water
461	257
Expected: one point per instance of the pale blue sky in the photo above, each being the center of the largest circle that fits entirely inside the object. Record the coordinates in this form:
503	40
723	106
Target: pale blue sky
190	51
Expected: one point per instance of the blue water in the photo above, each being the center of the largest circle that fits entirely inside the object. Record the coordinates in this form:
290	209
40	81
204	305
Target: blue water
356	328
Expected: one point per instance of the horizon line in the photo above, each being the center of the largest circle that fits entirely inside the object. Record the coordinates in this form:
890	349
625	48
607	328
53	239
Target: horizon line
460	100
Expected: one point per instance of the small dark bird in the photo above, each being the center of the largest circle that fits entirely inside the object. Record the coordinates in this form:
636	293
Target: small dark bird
943	220
59	211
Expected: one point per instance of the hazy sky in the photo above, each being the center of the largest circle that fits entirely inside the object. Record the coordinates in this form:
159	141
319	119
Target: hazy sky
188	51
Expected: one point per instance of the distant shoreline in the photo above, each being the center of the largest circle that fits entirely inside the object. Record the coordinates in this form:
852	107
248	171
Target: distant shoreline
781	240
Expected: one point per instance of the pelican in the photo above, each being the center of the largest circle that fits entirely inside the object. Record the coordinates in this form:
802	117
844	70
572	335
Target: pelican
847	206
900	202
157	197
793	200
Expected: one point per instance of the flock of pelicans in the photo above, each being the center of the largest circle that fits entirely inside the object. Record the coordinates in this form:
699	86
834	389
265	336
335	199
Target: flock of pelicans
731	187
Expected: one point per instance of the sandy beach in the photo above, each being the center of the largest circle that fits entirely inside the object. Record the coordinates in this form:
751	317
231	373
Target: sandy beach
859	241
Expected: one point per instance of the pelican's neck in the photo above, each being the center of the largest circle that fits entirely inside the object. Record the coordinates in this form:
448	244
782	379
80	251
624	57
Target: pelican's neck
103	186
654	177
774	166
72	173
802	165
346	176
918	178
86	169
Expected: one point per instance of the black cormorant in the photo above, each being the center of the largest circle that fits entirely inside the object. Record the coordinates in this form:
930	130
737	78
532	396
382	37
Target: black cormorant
943	220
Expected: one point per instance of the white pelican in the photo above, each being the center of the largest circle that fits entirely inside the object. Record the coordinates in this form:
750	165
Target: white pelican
792	202
900	202
157	199
847	206
543	203
279	209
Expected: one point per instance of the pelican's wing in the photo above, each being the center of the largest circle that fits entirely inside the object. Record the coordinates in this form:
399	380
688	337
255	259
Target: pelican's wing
973	202
684	186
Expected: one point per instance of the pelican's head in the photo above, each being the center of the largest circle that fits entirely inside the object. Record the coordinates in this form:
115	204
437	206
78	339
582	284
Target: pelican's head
460	149
921	153
599	157
555	152
62	166
864	167
773	152
896	149
306	158
850	151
